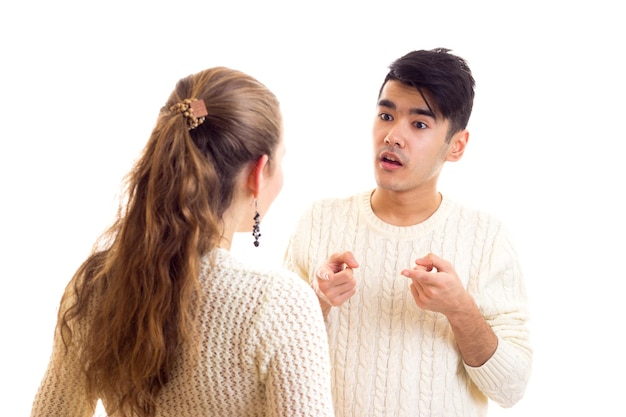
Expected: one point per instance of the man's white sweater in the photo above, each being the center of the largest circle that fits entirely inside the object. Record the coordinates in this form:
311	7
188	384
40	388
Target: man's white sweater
388	356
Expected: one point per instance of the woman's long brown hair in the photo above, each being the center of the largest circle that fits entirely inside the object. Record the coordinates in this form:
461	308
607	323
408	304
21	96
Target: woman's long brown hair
130	305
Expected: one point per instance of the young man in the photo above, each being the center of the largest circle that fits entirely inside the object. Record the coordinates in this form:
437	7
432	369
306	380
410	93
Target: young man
424	301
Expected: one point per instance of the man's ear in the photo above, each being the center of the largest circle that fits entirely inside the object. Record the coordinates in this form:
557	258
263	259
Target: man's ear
255	177
457	145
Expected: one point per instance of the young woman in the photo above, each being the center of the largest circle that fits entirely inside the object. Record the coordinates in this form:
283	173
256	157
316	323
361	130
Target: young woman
161	320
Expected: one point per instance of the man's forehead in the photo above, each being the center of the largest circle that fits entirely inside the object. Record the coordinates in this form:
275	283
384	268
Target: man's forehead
416	101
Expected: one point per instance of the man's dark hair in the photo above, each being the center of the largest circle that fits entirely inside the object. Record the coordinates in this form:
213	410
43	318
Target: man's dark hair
441	76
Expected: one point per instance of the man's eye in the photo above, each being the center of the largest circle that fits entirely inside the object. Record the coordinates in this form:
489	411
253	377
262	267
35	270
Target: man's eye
420	125
385	116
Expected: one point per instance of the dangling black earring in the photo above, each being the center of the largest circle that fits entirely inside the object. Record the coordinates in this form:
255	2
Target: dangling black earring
256	230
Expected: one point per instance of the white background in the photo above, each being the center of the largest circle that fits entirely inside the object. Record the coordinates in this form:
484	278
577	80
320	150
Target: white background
81	85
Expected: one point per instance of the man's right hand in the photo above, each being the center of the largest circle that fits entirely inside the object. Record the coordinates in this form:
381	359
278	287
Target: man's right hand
334	280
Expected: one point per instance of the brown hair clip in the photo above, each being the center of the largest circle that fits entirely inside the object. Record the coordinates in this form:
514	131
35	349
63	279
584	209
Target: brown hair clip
194	111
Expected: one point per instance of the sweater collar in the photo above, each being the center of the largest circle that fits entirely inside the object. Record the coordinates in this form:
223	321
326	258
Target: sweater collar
427	225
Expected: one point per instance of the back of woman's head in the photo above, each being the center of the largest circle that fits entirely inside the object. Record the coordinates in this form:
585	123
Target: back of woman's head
131	304
242	122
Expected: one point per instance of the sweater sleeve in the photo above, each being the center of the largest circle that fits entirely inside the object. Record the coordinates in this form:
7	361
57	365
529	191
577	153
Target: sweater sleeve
294	351
500	294
62	389
296	257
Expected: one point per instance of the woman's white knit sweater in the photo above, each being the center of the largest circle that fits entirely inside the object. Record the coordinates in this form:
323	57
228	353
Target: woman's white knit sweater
264	352
388	356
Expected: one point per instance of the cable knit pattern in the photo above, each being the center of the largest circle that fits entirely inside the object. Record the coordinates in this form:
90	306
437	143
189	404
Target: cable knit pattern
264	352
389	357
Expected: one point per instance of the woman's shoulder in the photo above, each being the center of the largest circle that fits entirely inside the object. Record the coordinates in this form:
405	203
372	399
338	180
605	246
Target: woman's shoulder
222	263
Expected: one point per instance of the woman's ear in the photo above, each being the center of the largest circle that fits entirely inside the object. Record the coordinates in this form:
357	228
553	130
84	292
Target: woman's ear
457	145
255	177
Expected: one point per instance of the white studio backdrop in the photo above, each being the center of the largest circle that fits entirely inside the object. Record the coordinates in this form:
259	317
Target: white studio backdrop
82	84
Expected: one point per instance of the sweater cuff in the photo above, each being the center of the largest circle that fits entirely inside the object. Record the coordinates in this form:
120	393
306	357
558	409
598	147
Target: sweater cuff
503	378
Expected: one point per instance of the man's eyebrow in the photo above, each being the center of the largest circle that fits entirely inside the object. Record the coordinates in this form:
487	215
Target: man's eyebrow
413	110
383	102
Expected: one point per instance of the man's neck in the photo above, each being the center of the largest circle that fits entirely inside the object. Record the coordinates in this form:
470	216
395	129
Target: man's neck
404	209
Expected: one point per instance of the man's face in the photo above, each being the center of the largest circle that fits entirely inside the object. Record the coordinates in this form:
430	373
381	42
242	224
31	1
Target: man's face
409	140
